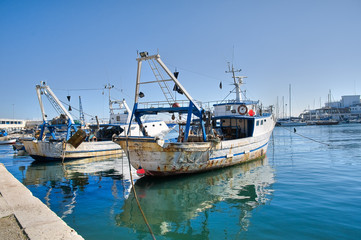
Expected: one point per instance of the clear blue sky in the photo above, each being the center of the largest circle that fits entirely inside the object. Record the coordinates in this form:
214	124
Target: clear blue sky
313	45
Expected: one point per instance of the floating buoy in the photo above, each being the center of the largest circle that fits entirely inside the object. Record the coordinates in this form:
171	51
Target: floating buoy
251	113
140	172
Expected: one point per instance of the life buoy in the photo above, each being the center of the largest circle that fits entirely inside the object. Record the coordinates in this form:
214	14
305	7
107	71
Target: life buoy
242	109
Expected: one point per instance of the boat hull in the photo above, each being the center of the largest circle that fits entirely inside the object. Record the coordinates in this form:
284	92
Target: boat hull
291	124
55	151
327	122
6	140
164	159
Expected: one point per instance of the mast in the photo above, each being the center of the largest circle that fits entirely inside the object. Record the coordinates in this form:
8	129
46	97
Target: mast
109	87
156	64
45	89
81	113
38	93
283	106
238	81
290	101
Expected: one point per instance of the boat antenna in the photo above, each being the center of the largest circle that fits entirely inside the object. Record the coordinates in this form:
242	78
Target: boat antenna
109	87
237	81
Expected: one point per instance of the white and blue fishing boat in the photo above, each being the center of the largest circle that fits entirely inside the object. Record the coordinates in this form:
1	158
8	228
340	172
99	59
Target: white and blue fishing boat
64	139
234	132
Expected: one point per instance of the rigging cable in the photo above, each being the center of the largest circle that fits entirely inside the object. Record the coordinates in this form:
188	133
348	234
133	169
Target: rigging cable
135	194
76	109
81	89
228	94
306	137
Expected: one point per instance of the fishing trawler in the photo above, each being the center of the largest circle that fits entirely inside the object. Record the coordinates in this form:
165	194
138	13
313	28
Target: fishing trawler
63	139
234	132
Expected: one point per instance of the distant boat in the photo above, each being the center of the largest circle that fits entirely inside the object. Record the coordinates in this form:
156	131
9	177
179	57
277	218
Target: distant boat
291	121
234	133
326	122
5	139
64	139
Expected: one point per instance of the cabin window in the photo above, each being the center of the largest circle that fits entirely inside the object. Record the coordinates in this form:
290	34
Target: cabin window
261	122
3	122
118	118
228	108
257	123
265	120
7	122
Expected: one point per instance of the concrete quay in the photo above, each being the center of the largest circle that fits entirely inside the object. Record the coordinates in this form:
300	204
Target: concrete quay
23	216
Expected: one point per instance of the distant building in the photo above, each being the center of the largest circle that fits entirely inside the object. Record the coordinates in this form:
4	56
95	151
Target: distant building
12	124
333	105
351	100
349	107
18	124
356	111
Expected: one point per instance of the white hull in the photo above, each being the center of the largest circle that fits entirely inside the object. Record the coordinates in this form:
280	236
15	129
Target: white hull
45	150
291	124
6	140
161	159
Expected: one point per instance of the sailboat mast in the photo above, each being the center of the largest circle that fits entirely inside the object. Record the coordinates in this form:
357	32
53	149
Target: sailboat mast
290	101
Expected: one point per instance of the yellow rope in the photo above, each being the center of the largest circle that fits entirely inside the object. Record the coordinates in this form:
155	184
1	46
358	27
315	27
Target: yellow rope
135	194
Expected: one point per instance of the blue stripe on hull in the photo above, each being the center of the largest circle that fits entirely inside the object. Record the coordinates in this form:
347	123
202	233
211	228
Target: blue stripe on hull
241	153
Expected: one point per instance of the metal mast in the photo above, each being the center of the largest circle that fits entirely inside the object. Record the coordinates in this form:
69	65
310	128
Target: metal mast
109	87
290	101
238	81
81	113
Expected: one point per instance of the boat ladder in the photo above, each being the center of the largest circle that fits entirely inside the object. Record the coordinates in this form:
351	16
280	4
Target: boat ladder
162	82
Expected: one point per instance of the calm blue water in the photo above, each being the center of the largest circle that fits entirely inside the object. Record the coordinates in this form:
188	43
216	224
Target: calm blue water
302	190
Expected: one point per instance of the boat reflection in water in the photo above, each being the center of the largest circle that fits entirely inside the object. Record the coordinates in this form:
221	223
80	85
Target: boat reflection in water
63	181
176	207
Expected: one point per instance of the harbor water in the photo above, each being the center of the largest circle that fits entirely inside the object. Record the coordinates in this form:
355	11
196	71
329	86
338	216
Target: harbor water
303	189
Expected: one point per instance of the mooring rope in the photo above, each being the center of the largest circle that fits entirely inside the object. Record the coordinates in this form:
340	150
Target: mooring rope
305	136
135	194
